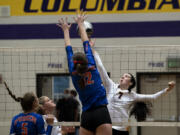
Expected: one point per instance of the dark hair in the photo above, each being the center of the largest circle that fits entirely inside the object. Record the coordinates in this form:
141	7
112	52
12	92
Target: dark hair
67	91
73	93
133	81
67	109
141	110
80	62
40	110
26	101
81	66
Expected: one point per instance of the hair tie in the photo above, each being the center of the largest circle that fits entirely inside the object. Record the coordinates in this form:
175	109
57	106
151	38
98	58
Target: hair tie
78	62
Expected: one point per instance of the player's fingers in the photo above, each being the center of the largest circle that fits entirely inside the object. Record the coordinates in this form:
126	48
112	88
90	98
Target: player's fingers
70	25
62	20
81	12
172	83
85	17
74	18
78	13
84	14
66	20
59	25
59	21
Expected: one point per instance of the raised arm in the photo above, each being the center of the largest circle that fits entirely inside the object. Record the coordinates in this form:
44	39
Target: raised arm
63	24
79	19
143	97
107	82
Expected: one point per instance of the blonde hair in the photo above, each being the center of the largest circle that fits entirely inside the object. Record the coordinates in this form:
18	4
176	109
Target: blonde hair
42	100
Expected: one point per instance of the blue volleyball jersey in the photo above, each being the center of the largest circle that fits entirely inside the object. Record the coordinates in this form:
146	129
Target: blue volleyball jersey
94	93
29	124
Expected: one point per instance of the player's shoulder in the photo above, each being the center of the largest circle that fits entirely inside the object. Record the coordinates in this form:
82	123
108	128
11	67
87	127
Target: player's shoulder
38	117
18	115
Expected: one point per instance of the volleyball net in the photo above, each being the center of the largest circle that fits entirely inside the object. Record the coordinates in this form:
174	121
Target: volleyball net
153	67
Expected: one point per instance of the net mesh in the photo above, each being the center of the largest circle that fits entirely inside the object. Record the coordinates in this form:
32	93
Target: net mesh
19	67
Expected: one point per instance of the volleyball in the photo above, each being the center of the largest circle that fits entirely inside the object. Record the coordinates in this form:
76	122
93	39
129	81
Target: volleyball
88	27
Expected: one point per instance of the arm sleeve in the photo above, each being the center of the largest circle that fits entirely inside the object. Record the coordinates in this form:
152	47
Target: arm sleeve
12	130
88	52
69	53
143	97
107	82
49	130
41	127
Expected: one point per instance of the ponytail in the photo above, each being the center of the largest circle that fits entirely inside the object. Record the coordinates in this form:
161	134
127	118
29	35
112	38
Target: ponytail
133	81
80	62
80	66
141	110
17	99
27	102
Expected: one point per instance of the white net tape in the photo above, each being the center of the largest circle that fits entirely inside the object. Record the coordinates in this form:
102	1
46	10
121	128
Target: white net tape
133	124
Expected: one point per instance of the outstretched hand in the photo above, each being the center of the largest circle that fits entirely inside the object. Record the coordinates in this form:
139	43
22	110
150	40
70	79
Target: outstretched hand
49	119
63	24
92	42
80	17
170	86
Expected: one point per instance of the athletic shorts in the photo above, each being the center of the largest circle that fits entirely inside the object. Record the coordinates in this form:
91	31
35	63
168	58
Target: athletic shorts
95	117
117	132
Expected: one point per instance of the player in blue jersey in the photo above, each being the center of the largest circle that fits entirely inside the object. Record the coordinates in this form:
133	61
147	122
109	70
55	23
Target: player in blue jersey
95	118
28	122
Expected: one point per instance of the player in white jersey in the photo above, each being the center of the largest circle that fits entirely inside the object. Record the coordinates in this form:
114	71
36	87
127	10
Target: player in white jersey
48	108
120	97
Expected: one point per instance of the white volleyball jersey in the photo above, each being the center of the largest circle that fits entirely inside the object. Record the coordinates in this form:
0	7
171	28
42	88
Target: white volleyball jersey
119	104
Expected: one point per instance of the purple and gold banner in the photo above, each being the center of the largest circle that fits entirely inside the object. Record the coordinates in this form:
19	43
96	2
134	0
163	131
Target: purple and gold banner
101	30
67	7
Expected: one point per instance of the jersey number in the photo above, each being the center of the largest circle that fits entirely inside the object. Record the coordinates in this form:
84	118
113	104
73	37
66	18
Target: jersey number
89	80
24	129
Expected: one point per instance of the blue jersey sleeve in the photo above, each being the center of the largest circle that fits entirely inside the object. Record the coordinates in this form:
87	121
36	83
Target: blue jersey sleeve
69	53
88	52
12	130
49	130
40	126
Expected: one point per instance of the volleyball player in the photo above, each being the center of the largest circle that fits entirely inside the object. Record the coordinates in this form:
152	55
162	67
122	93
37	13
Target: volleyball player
120	98
67	111
95	117
48	108
28	122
